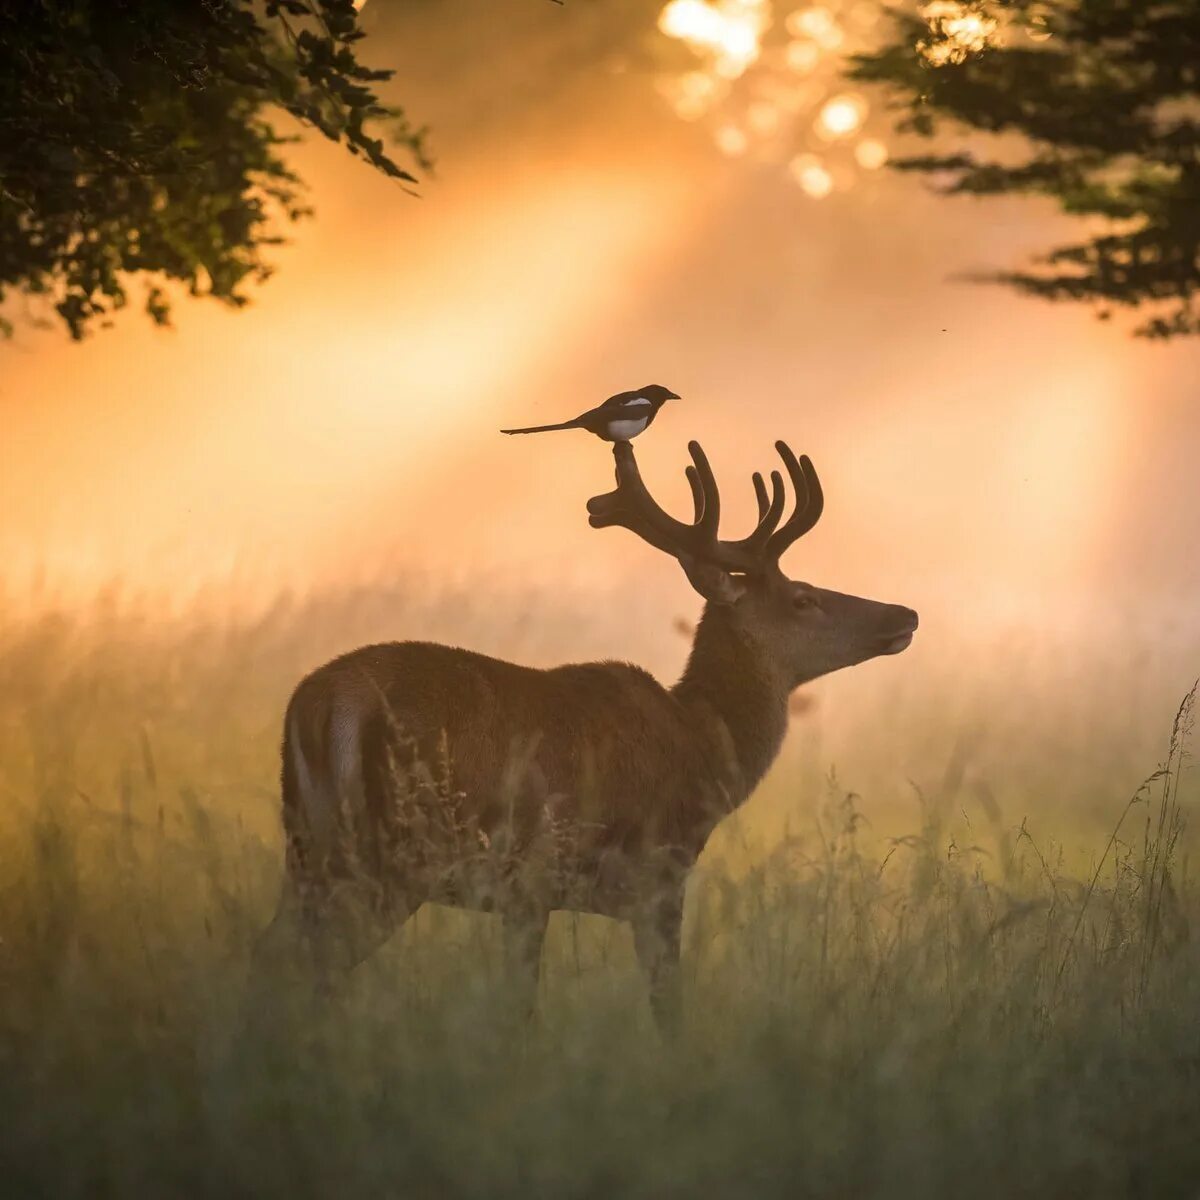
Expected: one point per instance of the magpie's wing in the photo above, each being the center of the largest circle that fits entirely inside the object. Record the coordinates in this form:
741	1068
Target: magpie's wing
595	418
619	400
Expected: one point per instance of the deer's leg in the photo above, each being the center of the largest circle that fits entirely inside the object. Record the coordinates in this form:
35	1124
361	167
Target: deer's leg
656	938
524	934
345	927
319	933
280	968
280	946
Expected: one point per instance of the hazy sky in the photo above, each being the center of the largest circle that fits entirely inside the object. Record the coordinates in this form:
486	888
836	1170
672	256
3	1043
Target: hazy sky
979	450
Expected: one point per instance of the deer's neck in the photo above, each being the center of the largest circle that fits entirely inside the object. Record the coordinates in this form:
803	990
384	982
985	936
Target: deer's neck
738	696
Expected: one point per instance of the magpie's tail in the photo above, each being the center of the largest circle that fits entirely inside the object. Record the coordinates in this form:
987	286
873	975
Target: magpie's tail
543	428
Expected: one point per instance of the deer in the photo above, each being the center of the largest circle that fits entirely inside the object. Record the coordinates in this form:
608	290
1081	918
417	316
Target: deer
416	772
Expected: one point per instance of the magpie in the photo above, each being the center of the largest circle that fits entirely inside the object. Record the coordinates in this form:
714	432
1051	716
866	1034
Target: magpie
619	419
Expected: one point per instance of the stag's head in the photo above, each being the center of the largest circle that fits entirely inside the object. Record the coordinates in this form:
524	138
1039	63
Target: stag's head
804	631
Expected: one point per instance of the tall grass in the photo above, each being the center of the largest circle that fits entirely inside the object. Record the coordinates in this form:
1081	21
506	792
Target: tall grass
970	1008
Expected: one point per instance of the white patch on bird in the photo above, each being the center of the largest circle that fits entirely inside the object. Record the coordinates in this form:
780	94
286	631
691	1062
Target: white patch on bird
622	431
637	400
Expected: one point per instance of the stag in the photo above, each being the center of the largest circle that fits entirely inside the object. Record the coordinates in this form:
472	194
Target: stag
416	772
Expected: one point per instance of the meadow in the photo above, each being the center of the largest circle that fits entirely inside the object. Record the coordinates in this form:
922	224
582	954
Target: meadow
922	963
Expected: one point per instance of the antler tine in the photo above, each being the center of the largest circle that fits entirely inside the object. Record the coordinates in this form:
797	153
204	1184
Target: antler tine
760	494
769	511
697	493
810	501
705	492
632	506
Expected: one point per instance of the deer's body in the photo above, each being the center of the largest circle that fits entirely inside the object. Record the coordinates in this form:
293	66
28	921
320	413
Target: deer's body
599	746
416	772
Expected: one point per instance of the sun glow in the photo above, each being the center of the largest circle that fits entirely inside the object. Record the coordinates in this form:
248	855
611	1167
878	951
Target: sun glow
692	94
959	31
871	154
812	175
802	56
277	453
841	116
779	100
819	24
730	32
732	141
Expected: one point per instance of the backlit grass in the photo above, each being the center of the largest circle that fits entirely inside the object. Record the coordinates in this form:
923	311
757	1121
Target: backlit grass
976	1007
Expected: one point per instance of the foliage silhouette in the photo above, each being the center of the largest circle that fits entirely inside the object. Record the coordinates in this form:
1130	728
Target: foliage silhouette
137	140
1106	94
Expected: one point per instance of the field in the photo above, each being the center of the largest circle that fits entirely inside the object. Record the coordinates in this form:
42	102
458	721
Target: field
924	962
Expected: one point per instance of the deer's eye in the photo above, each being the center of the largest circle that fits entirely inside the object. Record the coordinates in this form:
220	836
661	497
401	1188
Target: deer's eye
803	601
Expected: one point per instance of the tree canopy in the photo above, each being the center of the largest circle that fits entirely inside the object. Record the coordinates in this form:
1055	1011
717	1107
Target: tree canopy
137	140
1106	97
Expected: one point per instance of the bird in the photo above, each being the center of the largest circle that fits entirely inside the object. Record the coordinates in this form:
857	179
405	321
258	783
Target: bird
619	419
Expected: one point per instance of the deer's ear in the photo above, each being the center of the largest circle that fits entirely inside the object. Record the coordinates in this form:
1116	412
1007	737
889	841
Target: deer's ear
713	583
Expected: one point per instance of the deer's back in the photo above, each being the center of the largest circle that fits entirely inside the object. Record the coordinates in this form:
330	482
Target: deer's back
605	737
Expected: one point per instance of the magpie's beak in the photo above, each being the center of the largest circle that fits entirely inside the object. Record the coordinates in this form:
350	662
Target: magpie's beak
673	396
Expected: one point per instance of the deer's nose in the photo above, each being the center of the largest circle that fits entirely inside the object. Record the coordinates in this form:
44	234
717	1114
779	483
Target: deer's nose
900	619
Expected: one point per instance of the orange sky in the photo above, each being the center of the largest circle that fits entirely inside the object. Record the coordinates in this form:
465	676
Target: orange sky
980	451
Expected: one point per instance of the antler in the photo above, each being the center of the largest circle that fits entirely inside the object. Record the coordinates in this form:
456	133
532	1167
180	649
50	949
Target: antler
632	506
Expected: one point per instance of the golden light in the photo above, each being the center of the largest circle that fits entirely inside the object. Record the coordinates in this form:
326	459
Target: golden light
691	95
730	31
690	21
809	22
1038	28
865	13
959	30
833	38
763	118
871	154
731	141
795	83
970	31
800	97
841	116
812	176
730	66
937	54
817	23
208	494
802	56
